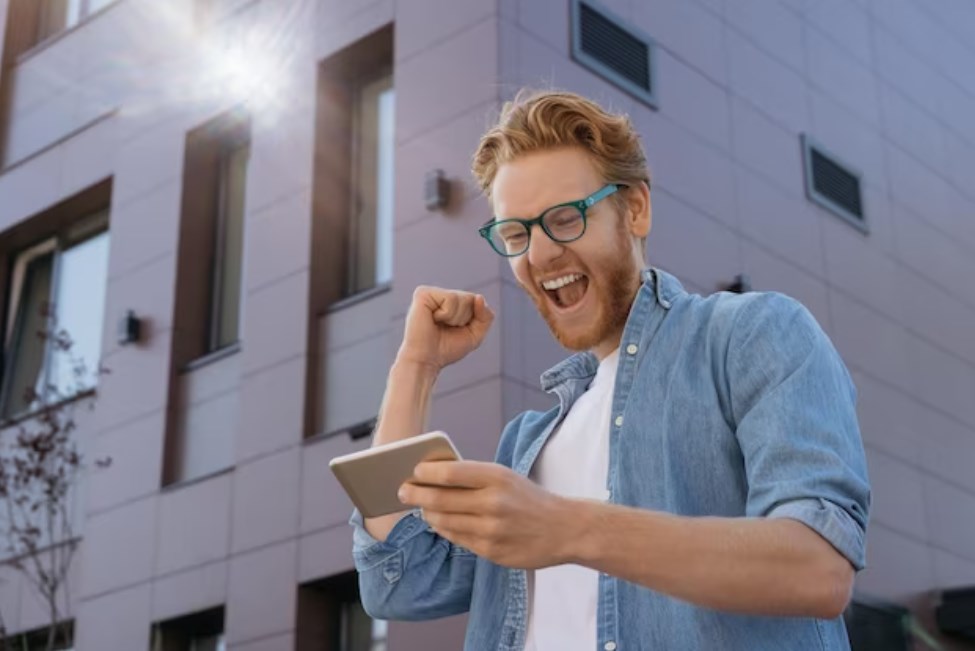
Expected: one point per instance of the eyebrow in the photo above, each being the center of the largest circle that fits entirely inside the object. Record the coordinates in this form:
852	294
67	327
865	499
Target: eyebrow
496	218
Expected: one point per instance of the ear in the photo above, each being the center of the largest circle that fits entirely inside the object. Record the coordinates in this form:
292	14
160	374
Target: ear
639	210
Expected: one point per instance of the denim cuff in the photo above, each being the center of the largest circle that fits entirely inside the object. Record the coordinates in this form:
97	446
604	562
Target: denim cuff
830	521
367	551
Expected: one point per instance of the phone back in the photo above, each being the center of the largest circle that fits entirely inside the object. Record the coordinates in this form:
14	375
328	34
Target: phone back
373	477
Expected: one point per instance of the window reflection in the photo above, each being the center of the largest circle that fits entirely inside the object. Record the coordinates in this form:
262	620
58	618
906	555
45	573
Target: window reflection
56	286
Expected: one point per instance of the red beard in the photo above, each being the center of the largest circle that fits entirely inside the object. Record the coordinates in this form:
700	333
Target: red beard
616	285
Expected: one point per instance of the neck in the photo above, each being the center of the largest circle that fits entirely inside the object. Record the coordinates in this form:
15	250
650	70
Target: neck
605	348
611	342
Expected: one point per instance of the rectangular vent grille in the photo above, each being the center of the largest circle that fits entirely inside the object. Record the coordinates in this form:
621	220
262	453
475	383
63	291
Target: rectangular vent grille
831	180
832	184
614	46
613	50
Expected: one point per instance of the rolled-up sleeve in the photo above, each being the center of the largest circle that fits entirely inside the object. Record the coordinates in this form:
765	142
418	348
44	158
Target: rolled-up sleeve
794	407
414	574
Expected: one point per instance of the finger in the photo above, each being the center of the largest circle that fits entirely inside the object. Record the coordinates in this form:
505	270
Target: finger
445	306
454	309
454	537
482	311
443	500
457	474
483	317
455	526
465	310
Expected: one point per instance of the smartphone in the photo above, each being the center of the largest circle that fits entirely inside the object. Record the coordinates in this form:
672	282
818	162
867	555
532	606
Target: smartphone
372	477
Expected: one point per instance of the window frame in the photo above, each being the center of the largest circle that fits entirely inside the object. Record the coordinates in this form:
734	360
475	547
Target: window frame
185	632
92	224
43	36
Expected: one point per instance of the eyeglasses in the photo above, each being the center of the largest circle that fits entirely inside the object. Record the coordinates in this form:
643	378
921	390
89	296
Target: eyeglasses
563	223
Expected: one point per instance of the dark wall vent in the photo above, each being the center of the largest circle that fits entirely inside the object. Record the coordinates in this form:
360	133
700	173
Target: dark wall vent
614	50
832	184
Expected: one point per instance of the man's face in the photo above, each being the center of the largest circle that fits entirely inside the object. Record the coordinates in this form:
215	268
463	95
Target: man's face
603	265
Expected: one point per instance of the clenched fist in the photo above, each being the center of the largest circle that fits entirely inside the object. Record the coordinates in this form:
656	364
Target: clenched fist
443	326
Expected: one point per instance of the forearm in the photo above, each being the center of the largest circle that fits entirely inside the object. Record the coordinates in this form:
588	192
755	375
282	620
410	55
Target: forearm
409	389
745	565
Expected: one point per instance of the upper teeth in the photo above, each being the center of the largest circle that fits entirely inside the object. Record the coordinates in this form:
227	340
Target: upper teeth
561	281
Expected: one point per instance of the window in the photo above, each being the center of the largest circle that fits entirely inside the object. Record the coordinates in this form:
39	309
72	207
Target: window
55	285
352	192
212	236
331	618
59	15
201	631
371	225
207	314
354	170
229	241
357	631
36	640
955	614
873	626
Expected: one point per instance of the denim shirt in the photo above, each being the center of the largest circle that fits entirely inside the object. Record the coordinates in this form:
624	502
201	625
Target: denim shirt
727	405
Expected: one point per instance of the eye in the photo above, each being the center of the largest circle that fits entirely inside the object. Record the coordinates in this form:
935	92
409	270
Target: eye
512	233
563	221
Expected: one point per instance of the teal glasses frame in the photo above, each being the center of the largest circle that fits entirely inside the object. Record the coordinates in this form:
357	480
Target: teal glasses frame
582	205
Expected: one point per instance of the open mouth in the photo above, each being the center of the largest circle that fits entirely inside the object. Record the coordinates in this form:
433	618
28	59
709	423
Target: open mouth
566	291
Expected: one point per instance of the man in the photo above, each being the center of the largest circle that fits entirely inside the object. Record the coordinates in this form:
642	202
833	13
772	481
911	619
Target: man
701	483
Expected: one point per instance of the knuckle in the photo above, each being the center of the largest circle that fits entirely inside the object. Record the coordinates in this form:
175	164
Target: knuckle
425	473
494	529
494	503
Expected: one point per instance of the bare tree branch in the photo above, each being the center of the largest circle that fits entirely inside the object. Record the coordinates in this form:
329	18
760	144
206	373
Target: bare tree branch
39	469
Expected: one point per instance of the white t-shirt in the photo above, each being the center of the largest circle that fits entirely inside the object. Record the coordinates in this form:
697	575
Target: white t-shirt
574	463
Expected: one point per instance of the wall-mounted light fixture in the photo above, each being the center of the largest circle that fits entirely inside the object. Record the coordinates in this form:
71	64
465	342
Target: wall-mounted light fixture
436	190
363	429
129	329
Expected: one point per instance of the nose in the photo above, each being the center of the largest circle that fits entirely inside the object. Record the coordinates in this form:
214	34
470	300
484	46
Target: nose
542	249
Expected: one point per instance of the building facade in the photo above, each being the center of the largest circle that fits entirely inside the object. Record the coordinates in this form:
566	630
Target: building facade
229	203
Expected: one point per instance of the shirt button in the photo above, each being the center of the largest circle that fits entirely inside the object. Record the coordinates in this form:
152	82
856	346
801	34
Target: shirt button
619	421
631	349
610	646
